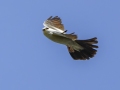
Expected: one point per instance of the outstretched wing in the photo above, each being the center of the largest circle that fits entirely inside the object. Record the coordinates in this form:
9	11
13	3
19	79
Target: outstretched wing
54	23
55	26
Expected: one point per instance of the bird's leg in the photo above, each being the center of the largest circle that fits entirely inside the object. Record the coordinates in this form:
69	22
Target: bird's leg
72	33
64	32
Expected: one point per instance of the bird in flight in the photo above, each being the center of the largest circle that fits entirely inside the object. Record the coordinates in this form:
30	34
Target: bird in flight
78	49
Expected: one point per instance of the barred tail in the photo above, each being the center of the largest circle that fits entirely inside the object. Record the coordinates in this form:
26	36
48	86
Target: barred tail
88	50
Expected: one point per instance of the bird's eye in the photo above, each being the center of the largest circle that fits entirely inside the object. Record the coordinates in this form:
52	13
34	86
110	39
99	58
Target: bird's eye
47	28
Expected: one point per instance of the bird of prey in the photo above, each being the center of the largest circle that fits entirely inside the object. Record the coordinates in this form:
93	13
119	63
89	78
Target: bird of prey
78	49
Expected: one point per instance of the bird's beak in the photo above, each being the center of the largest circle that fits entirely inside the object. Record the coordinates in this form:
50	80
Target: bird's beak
43	29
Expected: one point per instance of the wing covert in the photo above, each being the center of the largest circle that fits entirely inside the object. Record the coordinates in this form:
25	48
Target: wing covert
54	23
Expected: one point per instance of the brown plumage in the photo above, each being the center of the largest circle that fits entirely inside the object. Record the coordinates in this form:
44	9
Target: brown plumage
88	52
56	22
78	49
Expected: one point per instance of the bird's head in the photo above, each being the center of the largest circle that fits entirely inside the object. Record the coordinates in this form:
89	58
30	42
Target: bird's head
45	29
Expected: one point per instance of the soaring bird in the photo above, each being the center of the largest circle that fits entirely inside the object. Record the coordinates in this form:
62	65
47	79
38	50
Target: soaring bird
78	49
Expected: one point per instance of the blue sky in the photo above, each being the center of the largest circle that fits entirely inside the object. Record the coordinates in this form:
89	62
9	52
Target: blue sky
30	61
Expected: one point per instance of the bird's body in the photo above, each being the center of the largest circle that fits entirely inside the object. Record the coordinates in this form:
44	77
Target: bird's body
78	49
61	39
58	39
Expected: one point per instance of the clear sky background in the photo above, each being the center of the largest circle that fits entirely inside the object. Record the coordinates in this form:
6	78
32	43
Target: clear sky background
30	61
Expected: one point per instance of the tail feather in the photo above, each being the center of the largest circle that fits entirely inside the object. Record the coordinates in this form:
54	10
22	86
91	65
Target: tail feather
88	49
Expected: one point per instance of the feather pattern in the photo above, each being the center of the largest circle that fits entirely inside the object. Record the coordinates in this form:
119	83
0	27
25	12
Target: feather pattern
78	49
54	23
